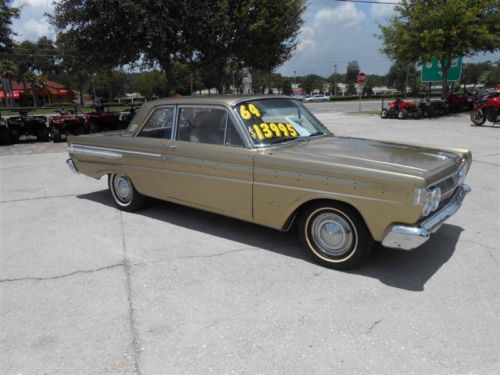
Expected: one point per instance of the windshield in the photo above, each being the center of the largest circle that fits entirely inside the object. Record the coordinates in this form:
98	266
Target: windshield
273	121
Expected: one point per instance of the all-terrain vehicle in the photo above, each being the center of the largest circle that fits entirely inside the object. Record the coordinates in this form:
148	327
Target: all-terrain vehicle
67	122
103	121
432	108
486	107
26	125
401	109
127	116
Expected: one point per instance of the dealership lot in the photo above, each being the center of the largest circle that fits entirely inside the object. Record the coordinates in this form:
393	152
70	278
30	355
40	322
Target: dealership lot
85	288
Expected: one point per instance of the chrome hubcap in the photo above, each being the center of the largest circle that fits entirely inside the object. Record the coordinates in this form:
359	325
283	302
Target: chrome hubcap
332	234
123	188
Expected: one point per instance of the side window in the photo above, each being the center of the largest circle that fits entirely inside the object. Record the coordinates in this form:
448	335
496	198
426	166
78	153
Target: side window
233	138
159	124
202	125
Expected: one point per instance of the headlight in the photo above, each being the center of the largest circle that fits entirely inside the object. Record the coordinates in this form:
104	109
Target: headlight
429	198
435	198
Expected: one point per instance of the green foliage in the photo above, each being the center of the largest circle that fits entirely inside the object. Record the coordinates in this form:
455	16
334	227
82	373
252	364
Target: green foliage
474	73
352	71
259	33
400	75
422	29
111	84
312	82
491	77
149	84
7	14
8	69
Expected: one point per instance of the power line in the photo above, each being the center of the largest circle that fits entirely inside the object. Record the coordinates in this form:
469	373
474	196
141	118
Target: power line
369	2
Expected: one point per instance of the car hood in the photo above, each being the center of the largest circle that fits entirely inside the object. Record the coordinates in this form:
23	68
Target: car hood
413	160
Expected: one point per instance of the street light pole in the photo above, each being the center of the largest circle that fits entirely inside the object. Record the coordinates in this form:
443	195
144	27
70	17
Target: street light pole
294	78
93	88
335	78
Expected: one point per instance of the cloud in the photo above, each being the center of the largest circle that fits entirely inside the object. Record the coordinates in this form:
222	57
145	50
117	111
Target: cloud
32	24
344	15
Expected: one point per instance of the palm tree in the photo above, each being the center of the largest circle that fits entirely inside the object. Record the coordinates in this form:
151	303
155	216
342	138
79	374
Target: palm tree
8	70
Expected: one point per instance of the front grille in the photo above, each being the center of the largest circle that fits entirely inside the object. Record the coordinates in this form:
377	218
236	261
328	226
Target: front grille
449	184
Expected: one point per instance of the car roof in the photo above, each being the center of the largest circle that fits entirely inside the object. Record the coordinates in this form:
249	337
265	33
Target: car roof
225	100
212	99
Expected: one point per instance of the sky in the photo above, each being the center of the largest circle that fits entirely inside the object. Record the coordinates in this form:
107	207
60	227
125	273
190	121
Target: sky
333	33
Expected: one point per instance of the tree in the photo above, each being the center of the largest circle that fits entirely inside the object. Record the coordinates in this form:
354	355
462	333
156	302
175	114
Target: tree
7	14
352	71
492	76
8	70
149	84
472	72
423	29
401	76
312	82
164	32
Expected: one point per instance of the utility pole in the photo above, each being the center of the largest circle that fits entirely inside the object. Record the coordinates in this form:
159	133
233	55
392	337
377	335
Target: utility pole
294	78
335	78
191	83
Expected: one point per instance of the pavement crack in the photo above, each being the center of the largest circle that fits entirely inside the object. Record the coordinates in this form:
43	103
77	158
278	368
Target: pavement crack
373	326
199	256
63	275
131	312
38	198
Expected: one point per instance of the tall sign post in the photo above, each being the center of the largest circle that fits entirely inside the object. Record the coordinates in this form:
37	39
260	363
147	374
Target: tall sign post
361	80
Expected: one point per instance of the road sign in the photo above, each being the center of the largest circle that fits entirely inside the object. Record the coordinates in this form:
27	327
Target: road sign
361	78
431	70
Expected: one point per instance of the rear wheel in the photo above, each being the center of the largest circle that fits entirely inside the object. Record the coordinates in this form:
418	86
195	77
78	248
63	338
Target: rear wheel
56	134
402	114
93	128
478	117
416	114
43	134
126	197
335	235
5	137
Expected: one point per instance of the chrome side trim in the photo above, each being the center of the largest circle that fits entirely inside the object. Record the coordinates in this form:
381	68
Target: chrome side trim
410	237
71	165
107	152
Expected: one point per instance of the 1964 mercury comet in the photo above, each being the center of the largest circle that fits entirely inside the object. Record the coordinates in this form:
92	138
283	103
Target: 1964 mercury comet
268	160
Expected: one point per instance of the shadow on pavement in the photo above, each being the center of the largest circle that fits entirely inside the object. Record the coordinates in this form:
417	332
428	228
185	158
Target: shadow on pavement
408	270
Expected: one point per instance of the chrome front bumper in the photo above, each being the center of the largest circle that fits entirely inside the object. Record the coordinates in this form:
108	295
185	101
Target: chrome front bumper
410	237
71	165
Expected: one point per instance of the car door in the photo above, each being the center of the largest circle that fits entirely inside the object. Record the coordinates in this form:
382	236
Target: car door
213	167
147	156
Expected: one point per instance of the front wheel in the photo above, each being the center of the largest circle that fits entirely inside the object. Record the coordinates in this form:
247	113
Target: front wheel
478	117
384	114
335	235
124	194
43	134
402	114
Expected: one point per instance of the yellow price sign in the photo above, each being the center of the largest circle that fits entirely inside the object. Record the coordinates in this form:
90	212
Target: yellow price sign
247	112
266	130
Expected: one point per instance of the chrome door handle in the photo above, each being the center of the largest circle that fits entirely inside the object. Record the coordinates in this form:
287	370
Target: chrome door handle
168	146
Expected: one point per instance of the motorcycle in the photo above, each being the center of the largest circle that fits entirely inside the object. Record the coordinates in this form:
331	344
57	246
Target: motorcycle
486	107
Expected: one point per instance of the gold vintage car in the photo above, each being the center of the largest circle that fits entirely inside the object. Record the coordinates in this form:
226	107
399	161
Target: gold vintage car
269	161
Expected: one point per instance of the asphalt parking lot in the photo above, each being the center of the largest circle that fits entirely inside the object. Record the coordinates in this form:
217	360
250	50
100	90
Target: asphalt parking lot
87	289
